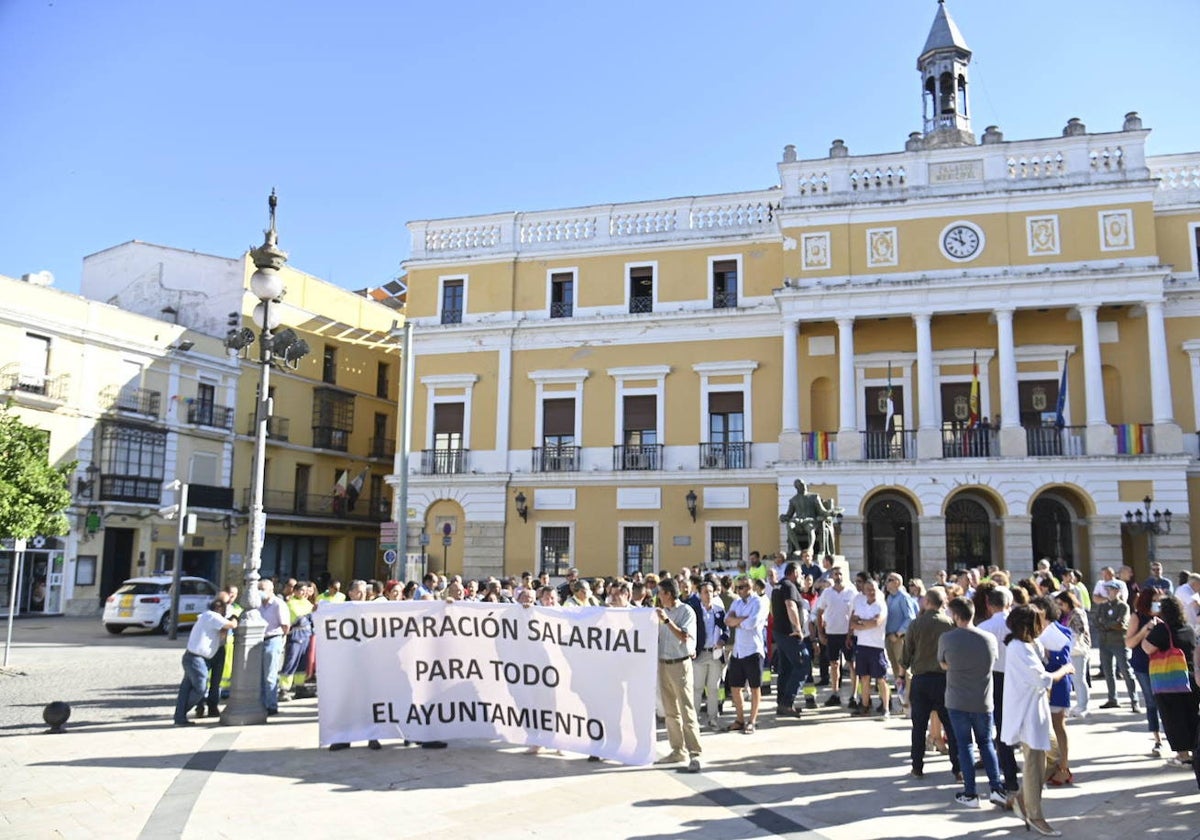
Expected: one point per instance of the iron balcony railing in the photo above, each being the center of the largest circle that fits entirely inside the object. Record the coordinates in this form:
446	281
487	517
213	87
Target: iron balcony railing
561	309
210	496
1044	441
725	300
639	456
443	461
327	437
818	446
976	442
42	385
452	316
889	446
130	488
207	414
327	505
641	303
381	447
728	455
135	400
278	428
556	459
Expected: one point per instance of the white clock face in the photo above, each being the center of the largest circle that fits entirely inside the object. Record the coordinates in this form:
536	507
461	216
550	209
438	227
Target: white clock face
961	242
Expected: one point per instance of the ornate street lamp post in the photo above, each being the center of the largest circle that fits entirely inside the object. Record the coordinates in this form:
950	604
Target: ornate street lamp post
245	690
1152	525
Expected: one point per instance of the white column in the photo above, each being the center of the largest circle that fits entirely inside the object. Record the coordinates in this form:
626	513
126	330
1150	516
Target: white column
929	438
926	389
1012	436
504	446
847	404
1100	440
791	382
849	440
1168	438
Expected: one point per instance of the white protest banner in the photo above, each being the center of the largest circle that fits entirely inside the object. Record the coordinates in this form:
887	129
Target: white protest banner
574	679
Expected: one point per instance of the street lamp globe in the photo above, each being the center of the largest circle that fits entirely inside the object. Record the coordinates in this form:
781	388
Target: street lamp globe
267	317
266	285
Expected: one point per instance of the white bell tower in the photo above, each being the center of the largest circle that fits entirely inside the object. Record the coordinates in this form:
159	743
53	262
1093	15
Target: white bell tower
943	67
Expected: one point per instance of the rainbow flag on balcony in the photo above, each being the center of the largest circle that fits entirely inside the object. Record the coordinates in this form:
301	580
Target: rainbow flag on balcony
818	446
1129	438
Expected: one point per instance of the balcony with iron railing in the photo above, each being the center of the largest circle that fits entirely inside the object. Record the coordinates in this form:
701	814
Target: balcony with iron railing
133	400
328	437
210	496
562	309
976	442
17	382
555	459
638	456
641	303
443	461
381	447
1050	441
452	316
725	300
881	445
727	455
278	428
130	488
213	416
323	505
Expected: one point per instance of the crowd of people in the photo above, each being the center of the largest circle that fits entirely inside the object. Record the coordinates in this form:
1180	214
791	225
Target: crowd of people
981	663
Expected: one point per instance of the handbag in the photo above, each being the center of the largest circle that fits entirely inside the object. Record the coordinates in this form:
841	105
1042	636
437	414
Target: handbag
1168	670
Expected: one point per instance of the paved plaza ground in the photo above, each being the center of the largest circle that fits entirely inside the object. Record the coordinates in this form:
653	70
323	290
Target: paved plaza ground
123	771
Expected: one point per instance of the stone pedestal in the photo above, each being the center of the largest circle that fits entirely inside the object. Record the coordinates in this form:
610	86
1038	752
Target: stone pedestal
929	444
930	543
791	446
1101	440
849	445
245	683
1016	555
1013	442
1168	439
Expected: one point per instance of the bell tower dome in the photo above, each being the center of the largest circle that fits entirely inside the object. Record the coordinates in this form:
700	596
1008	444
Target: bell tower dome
943	67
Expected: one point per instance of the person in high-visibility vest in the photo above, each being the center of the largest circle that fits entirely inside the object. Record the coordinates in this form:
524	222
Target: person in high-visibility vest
295	655
222	663
334	593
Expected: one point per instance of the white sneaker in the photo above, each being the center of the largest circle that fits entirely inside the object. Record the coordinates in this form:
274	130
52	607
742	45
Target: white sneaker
998	798
966	800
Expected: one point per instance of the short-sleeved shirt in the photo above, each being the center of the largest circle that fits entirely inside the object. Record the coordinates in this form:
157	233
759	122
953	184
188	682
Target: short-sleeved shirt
780	595
971	655
872	636
277	616
670	646
834	608
748	640
205	638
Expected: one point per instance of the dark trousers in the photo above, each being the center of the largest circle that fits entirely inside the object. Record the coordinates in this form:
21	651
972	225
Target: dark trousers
1008	759
216	667
795	667
927	695
823	661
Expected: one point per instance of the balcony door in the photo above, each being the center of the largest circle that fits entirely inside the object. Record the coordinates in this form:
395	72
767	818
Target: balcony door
640	436
726	430
558	434
303	475
448	419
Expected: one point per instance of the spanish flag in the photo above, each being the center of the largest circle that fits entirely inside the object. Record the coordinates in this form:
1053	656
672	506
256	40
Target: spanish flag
974	404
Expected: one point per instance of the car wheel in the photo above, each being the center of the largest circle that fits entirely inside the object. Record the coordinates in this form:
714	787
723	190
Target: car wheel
164	623
115	629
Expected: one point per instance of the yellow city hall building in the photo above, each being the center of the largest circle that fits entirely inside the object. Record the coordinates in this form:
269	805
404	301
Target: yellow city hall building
987	351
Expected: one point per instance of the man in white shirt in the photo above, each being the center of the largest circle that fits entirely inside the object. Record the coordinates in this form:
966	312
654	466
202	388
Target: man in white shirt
206	638
749	616
999	604
278	620
867	621
833	625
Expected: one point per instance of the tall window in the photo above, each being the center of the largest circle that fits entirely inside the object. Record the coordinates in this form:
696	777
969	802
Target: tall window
448	453
562	295
640	439
555	550
382	372
724	284
132	463
332	419
558	434
726	545
726	430
329	365
202	409
35	363
452	301
638	545
641	289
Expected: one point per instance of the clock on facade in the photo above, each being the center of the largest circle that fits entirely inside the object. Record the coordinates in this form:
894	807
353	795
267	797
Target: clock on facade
962	241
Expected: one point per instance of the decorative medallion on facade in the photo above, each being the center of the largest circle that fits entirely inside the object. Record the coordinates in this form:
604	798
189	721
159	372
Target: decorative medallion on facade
881	248
1116	230
816	251
1037	396
962	407
1042	233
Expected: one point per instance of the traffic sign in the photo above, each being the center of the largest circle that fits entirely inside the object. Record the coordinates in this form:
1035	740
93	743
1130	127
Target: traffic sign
424	538
390	556
447	529
446	539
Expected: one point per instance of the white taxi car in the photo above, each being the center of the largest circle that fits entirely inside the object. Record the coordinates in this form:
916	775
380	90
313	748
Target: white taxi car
146	602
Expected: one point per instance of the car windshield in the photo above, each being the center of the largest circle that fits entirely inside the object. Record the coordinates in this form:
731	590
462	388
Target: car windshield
141	589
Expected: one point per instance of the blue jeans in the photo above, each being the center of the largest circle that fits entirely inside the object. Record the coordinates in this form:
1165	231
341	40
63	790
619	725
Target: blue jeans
1148	697
795	667
272	661
194	685
979	724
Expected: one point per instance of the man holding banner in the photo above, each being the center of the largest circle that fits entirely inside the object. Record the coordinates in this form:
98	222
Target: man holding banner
676	648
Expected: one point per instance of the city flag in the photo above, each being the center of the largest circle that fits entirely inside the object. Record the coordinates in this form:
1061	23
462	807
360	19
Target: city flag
973	421
341	486
356	487
1059	422
891	404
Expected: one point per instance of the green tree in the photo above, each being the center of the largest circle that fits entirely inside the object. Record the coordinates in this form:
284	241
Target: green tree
33	494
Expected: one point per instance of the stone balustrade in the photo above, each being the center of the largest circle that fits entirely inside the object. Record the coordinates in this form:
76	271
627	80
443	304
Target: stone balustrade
1178	177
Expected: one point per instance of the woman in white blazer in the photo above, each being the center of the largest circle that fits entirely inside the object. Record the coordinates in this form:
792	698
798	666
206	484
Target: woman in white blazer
1027	709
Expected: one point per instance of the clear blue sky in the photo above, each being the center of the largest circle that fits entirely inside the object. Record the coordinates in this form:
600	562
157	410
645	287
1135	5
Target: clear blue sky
170	121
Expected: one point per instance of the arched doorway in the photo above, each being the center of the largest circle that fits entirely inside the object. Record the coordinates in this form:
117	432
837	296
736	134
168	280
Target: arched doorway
1052	521
889	536
445	527
968	533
